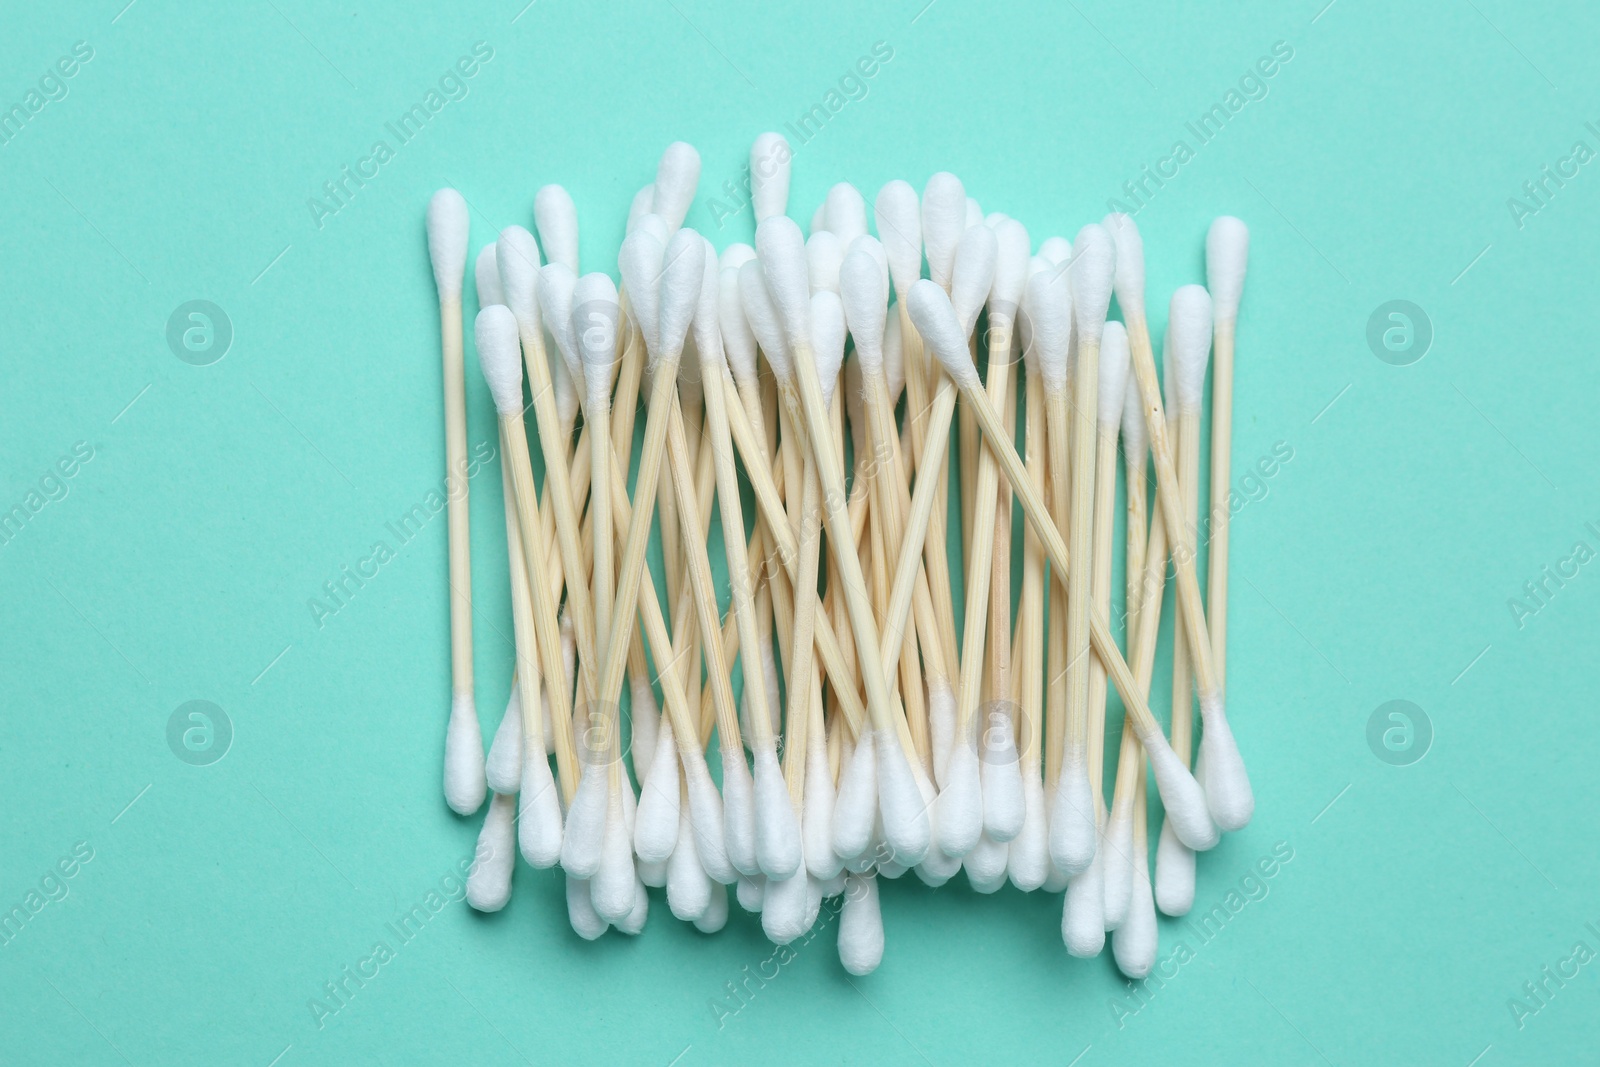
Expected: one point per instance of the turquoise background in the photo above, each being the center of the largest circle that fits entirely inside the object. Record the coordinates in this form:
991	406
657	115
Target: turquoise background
1378	566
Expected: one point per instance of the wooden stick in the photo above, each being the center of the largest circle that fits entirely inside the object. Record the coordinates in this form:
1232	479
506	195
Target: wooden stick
1221	475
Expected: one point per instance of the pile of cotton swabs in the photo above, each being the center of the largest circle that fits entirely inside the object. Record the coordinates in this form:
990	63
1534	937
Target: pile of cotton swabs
877	732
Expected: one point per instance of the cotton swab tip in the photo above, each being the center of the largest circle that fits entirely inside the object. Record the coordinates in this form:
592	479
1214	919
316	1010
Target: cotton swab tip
1227	786
827	341
1094	262
1129	283
941	331
1113	379
1227	255
861	926
1174	886
900	802
487	275
464	782
557	220
677	175
762	316
972	274
900	229
781	251
682	276
1189	326
500	356
1183	798
1073	832
864	295
1049	309
448	224
944	220
770	158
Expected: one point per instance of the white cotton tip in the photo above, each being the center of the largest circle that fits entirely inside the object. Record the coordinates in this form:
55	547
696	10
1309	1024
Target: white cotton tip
1133	946
539	813
824	254
1134	428
865	298
975	214
856	805
961	801
516	256
1182	796
782	255
1119	865
596	319
1189	326
1227	785
1227	255
706	816
1000	774
707	324
503	769
835	886
994	218
986	864
1129	275
653	875
500	357
612	885
738	340
1028	861
486	272
489	884
783	908
899	217
586	922
819	219
813	902
448	224
1113	378
941	725
894	355
735	256
1094	264
677	176
777	830
827	341
874	248
751	891
556	286
644	725
941	331
1057	251
762	316
900	802
816	828
715	917
644	203
944	220
584	834
1073	832
682	275
1055	882
738	815
1010	270
846	213
770	158
464	783
1174	889
861	926
632	924
1049	303
1083	921
688	886
556	218
655	828
972	274
657	227
639	261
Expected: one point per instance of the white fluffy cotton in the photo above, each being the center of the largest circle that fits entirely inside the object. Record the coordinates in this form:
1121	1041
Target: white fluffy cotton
777	830
655	828
738	815
1133	946
643	203
1119	864
1189	333
1094	261
751	891
846	213
1229	797
770	158
1113	377
682	276
500	357
961	801
816	827
612	885
489	884
448	226
827	342
1227	255
516	256
941	724
824	254
503	769
944	220
762	316
689	889
539	814
1083	922
738	340
783	908
586	922
464	783
556	286
1174	886
715	917
986	864
941	331
781	251
556	218
586	824
900	801
865	300
677	176
1049	304
639	261
1000	774
861	926
900	229
972	274
1129	275
856	805
1073	832
596	318
486	273
1028	861
1181	795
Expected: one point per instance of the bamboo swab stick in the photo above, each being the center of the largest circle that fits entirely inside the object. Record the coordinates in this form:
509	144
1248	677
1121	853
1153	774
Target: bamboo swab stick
1227	254
464	783
1179	791
1227	784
